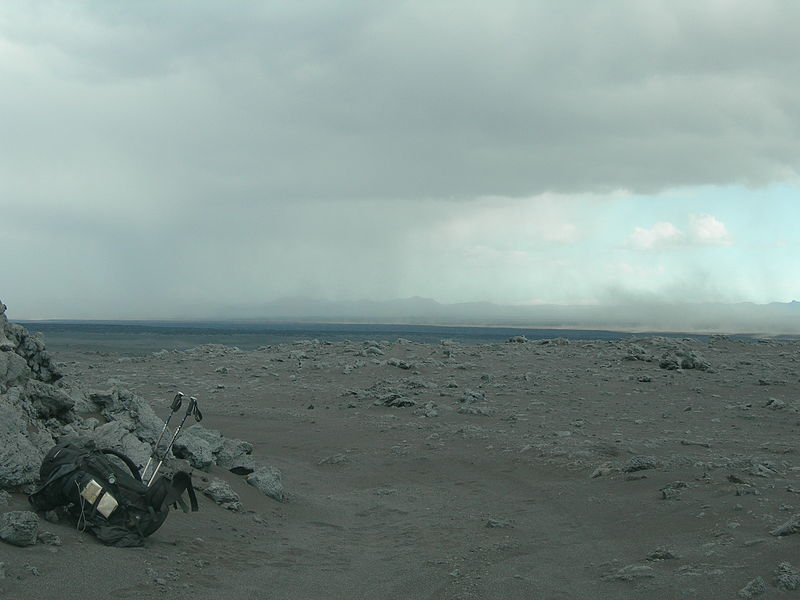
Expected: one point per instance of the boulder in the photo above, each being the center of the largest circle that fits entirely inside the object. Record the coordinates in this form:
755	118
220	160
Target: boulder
126	407
22	445
268	480
13	369
235	455
19	527
115	435
48	400
640	463
222	493
212	437
194	449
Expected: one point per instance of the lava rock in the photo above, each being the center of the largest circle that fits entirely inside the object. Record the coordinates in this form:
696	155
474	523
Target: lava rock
222	493
269	481
19	527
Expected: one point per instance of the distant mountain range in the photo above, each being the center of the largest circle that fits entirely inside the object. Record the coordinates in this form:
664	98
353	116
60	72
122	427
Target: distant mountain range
773	318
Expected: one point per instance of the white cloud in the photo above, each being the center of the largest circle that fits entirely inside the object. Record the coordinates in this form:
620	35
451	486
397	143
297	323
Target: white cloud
660	235
704	230
708	231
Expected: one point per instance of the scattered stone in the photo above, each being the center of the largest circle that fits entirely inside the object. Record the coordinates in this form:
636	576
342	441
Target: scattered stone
499	524
48	400
222	493
401	364
476	410
19	527
196	446
336	459
775	404
602	470
429	410
517	339
472	396
672	491
48	538
788	528
396	401
268	480
786	577
640	463
5	497
236	456
695	443
661	554
632	572
754	588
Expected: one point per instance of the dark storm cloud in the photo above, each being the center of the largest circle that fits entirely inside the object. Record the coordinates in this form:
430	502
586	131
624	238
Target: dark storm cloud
216	102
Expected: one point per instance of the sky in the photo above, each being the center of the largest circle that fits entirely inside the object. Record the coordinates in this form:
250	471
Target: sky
165	158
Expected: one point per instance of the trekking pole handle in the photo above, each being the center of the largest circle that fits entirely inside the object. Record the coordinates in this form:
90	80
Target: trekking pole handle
194	409
176	402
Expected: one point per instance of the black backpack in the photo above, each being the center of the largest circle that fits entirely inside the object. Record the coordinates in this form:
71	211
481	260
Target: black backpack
102	497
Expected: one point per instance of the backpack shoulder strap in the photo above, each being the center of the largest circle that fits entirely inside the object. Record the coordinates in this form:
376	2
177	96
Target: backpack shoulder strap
166	492
128	462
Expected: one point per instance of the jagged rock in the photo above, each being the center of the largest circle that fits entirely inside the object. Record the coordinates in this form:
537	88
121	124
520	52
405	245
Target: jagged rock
661	554
470	396
48	538
48	400
398	401
19	527
235	455
517	339
775	404
786	577
789	527
212	437
194	449
22	445
401	364
476	410
16	339
640	463
753	589
335	459
13	369
133	412
684	359
427	410
116	436
633	572
222	493
268	480
499	524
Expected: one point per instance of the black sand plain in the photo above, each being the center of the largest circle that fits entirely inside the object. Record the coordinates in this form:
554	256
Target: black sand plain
653	467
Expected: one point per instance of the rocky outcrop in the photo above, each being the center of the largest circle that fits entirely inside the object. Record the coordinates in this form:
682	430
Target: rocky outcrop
38	408
32	408
16	340
205	447
19	527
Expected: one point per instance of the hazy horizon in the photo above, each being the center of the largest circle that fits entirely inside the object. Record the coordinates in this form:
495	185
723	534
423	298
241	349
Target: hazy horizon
161	158
702	318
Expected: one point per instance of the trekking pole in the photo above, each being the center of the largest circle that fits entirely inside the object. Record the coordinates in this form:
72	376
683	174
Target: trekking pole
176	404
193	410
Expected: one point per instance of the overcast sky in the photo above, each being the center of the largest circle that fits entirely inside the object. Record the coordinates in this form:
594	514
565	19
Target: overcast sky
159	155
